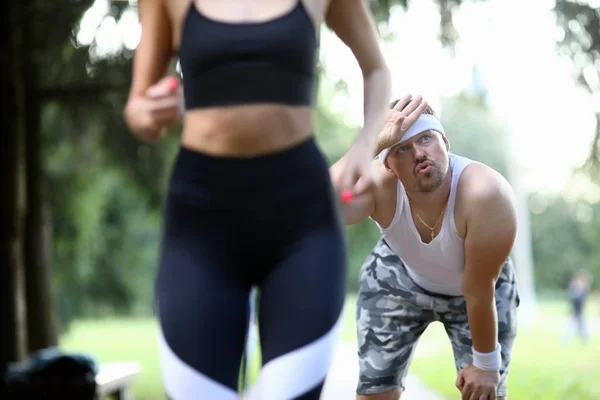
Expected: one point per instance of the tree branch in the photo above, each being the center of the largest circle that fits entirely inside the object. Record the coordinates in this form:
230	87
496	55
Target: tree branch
28	11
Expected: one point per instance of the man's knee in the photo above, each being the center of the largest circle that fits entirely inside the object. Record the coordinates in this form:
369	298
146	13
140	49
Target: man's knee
389	395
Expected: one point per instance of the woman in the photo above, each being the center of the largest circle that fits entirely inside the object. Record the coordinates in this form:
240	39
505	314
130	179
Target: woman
250	200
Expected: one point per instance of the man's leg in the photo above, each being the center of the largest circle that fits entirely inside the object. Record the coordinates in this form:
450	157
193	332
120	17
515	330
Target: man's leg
391	315
452	312
579	318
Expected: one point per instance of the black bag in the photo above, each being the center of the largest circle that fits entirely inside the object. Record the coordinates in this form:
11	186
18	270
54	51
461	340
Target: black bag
52	374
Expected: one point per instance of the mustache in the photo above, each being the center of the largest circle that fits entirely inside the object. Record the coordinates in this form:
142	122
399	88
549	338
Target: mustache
421	161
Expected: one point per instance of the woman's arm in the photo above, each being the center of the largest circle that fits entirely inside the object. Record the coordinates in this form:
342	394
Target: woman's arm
353	23
150	64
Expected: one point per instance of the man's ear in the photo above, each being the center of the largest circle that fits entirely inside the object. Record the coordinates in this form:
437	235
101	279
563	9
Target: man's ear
386	165
446	142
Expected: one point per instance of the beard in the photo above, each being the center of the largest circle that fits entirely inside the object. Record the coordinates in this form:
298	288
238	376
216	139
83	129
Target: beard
431	180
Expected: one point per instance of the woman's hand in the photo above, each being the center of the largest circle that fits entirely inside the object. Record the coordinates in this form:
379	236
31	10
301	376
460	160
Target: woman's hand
161	107
358	167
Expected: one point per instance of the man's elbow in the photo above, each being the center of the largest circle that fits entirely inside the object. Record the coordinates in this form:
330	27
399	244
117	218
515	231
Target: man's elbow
479	293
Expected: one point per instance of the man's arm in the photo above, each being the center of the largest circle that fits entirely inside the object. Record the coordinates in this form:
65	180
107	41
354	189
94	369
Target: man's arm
490	236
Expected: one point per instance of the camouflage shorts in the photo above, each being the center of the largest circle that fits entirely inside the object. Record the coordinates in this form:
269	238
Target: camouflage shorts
392	312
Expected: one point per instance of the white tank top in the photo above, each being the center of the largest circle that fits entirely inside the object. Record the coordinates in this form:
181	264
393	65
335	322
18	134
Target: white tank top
437	266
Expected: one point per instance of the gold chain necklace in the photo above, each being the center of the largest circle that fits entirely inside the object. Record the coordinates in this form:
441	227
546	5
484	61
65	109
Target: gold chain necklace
432	229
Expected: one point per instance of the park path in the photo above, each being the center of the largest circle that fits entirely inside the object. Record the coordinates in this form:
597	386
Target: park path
342	378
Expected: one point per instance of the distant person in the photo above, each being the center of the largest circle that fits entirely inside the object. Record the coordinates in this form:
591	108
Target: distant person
578	292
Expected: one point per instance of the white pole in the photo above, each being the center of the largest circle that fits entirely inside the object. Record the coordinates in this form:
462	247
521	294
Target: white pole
522	253
501	95
494	51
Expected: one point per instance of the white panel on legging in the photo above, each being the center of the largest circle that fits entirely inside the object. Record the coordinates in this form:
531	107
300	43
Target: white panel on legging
298	372
183	382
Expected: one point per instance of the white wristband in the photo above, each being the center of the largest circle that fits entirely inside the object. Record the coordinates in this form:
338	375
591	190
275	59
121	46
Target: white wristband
489	362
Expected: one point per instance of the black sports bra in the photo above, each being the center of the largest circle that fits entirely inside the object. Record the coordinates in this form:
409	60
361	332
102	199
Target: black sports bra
238	63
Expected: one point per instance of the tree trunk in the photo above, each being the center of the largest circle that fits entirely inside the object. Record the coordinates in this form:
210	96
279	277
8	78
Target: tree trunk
12	202
41	305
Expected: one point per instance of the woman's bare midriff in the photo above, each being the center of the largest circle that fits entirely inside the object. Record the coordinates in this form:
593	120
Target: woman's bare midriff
247	130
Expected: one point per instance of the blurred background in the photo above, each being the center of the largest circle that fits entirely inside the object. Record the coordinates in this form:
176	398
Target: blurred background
515	83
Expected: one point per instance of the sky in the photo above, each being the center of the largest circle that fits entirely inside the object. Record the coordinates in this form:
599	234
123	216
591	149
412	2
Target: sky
551	119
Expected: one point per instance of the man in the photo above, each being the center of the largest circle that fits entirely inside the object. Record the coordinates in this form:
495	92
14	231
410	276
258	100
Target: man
448	226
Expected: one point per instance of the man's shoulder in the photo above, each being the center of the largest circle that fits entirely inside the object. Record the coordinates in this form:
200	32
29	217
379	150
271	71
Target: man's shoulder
489	207
480	184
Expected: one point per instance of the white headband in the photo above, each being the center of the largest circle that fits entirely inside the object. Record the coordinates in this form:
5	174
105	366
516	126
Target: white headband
425	122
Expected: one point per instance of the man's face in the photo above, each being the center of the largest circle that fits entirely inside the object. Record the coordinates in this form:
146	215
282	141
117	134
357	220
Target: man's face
421	163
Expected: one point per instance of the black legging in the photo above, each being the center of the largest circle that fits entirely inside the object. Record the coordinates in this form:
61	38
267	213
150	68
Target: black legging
231	223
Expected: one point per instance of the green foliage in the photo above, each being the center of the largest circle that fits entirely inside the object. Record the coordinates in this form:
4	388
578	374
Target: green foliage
565	239
580	42
105	230
106	187
106	191
362	237
474	131
333	136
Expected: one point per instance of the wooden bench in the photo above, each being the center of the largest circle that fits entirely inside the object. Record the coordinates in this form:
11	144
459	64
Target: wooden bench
114	379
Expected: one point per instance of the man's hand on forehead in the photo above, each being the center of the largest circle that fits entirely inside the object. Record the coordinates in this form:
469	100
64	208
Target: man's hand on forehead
400	118
410	108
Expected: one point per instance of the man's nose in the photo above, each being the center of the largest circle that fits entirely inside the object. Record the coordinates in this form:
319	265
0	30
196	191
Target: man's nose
418	153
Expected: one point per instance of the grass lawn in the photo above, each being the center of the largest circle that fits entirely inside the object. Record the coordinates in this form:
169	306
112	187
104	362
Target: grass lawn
542	368
135	340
